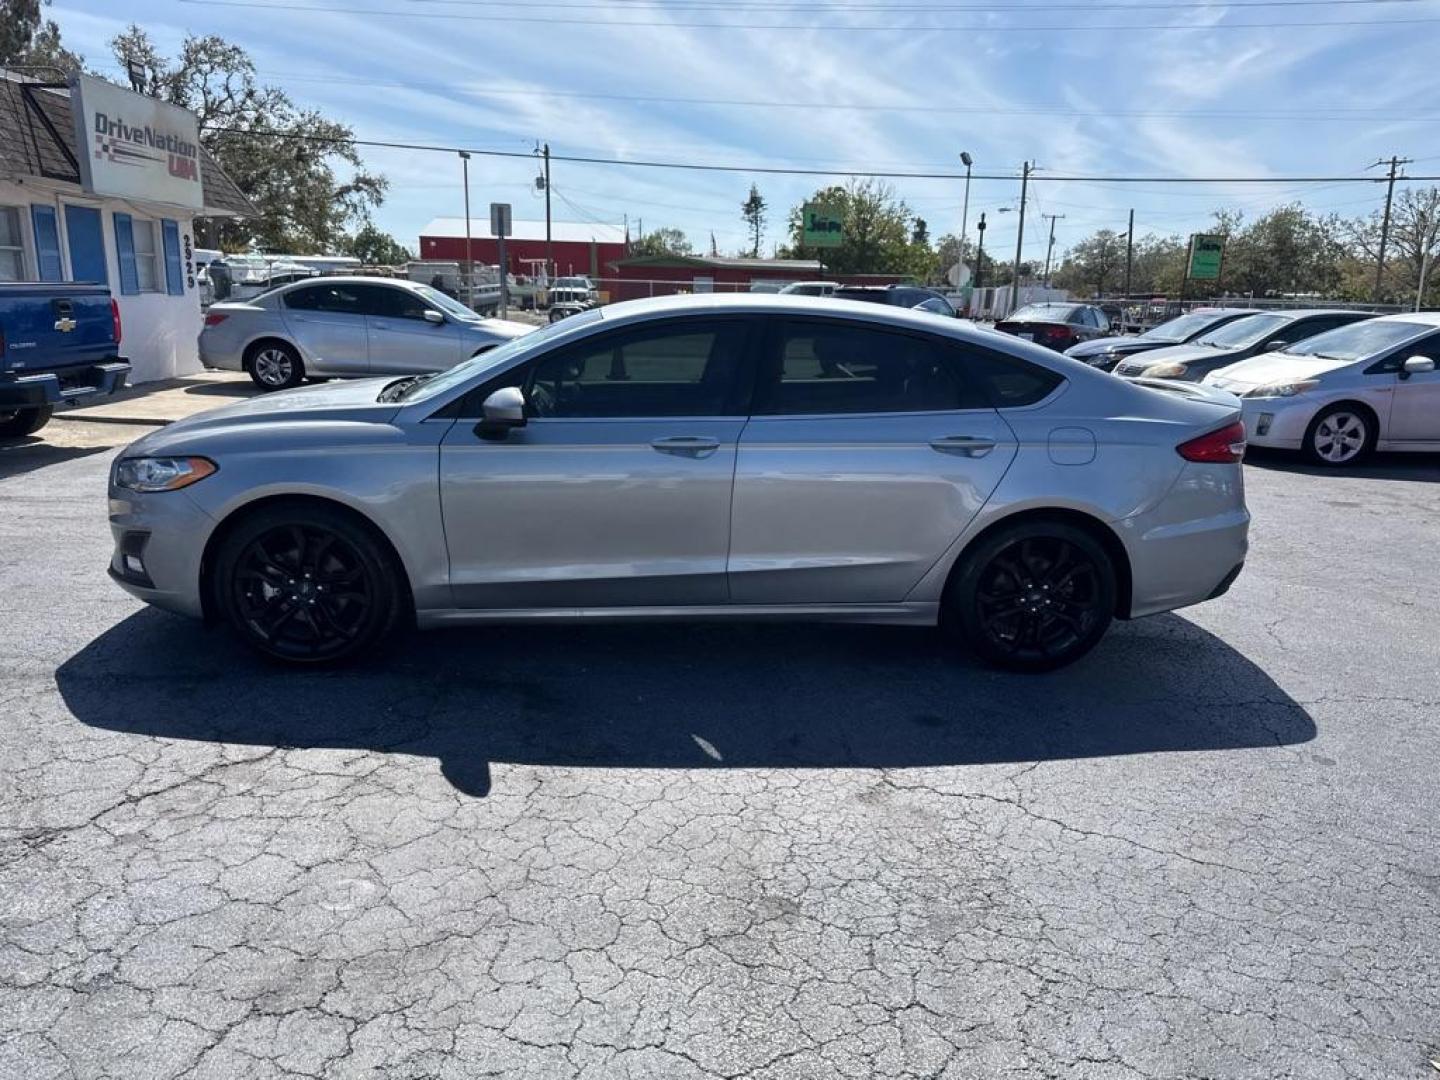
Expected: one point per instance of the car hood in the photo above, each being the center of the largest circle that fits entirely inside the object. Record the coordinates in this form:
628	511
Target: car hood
1185	354
1273	367
341	401
498	329
1114	345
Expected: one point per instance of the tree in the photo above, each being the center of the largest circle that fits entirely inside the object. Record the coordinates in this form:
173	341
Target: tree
753	210
376	248
662	242
1414	239
1092	265
284	158
28	39
1287	251
876	232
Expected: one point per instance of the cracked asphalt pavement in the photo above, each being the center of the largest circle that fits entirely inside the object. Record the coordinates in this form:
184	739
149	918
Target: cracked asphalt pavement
1210	850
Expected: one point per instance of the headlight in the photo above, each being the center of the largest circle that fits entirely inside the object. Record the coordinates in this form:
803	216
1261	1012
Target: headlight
161	473
1282	389
1164	371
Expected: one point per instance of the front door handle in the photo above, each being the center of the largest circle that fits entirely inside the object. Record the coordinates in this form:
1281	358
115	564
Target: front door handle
964	445
696	446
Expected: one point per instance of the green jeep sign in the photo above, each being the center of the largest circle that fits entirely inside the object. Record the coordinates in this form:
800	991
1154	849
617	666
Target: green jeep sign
1206	253
820	227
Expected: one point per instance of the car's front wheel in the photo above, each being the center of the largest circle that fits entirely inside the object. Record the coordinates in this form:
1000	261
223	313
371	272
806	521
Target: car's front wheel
307	584
274	365
1033	596
1340	435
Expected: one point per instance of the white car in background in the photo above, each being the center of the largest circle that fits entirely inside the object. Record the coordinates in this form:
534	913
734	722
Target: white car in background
1337	396
346	327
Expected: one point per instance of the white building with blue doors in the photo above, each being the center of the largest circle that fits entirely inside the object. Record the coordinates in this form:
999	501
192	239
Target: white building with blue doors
111	198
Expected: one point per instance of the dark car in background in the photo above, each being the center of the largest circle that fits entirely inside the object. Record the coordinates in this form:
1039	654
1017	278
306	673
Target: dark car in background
1057	325
906	296
1105	352
1266	331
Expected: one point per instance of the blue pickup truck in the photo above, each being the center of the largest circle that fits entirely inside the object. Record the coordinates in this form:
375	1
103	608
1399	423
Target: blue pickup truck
58	342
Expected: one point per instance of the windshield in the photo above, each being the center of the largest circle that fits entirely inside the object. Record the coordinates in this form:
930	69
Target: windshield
428	386
1358	340
447	304
572	283
1182	329
1245	332
1041	313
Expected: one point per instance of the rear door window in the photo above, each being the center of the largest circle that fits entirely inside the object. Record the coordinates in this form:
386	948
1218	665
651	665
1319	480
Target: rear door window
338	299
825	367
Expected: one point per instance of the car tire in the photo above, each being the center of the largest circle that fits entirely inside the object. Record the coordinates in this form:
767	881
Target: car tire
16	423
274	365
308	585
1032	597
1340	435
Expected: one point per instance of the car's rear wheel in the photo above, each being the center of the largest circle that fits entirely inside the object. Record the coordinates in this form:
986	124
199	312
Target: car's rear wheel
1340	435
1033	596
274	365
307	585
15	423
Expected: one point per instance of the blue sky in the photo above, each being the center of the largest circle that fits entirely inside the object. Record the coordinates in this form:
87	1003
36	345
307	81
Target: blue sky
1203	100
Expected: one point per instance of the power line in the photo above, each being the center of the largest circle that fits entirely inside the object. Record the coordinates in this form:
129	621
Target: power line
1341	113
968	28
639	163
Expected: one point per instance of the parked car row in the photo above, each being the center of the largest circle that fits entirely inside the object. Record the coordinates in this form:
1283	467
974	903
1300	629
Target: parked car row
1332	384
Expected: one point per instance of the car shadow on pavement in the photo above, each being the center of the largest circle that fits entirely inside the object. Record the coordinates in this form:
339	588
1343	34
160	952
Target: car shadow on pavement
691	696
1396	466
32	452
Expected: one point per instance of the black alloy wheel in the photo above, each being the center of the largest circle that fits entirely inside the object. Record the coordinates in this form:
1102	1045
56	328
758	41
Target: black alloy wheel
313	588
1034	597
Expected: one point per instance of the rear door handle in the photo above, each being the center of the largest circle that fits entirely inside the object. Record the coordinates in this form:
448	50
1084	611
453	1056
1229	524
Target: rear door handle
696	446
964	445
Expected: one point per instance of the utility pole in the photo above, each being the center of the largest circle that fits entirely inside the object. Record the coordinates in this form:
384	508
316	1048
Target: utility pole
1395	163
980	254
1019	238
1050	246
1129	252
1425	261
549	248
469	261
964	214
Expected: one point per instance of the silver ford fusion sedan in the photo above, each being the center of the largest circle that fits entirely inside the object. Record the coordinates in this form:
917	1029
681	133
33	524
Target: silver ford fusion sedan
746	457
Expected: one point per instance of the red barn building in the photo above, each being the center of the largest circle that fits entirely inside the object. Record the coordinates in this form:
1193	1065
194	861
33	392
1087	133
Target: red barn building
665	275
578	247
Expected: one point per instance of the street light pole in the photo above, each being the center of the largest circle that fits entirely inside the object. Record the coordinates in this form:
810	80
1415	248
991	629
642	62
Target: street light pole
1019	239
964	214
980	253
469	259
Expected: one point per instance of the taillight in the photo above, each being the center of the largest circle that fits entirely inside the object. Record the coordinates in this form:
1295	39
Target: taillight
115	318
1224	447
214	318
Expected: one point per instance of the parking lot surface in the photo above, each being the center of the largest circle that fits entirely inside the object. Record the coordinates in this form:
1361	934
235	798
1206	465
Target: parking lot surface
1211	849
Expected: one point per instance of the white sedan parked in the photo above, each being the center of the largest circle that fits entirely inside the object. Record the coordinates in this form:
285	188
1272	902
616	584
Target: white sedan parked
1337	396
348	328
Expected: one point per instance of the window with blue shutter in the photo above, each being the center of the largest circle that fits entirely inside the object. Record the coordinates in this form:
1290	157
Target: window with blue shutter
47	243
125	250
174	272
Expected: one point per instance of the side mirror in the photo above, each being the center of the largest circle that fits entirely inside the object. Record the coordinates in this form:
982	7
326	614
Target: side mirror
502	410
1276	345
433	316
1416	365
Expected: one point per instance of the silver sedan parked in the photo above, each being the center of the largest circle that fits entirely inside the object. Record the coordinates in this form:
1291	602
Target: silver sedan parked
745	457
346	327
1338	396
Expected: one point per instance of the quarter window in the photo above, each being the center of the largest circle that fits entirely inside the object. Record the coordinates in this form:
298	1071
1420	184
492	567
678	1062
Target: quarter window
684	370
1003	381
817	368
12	245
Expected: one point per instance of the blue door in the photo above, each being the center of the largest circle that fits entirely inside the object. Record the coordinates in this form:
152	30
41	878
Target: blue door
87	244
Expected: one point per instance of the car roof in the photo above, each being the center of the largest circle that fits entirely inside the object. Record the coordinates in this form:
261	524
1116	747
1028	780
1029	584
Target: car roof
779	304
351	279
1426	318
1305	313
